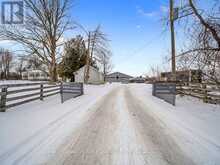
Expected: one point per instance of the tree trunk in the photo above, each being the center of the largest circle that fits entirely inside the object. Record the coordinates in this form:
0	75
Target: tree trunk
53	69
53	73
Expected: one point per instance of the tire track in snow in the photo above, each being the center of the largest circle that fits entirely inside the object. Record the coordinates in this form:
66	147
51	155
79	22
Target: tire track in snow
151	131
93	142
120	132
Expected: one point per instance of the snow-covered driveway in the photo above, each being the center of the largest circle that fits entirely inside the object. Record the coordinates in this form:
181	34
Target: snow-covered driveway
112	125
120	132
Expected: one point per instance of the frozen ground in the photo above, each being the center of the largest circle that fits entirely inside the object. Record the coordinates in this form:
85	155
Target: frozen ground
111	124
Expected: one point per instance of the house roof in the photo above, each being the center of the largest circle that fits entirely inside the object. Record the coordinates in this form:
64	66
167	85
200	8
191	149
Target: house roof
119	74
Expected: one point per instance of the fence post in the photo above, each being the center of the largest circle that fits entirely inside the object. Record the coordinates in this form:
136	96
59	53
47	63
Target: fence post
3	99
41	92
82	90
205	97
61	91
153	89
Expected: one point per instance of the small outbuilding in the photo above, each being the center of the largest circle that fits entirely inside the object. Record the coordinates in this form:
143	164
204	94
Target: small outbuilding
118	77
95	77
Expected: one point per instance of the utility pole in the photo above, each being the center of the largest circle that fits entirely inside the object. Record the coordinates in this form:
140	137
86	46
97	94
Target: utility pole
173	49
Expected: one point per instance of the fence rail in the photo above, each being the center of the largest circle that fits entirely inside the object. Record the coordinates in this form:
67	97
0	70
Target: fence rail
208	93
12	95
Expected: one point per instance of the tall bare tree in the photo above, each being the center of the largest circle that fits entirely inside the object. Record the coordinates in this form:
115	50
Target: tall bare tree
42	33
203	32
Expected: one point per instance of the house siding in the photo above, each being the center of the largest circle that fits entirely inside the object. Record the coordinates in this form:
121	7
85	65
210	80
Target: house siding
95	77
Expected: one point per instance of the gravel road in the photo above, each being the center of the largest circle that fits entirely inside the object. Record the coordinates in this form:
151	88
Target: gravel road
120	130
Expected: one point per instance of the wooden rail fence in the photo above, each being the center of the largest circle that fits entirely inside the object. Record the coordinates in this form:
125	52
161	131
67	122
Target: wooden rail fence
208	93
12	95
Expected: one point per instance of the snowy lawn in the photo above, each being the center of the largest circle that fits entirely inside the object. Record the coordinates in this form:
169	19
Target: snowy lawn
28	128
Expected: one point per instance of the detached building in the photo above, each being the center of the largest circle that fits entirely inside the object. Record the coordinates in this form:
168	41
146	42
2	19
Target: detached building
35	75
194	76
95	77
118	77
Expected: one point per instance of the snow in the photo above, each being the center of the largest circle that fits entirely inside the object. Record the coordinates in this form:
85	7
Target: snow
217	93
191	122
28	128
31	133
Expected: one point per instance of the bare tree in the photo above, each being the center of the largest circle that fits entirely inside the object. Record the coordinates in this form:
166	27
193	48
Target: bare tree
203	32
105	60
20	65
155	72
183	62
6	59
41	34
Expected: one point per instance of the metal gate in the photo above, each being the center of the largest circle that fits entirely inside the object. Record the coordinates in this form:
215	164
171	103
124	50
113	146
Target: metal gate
165	91
70	90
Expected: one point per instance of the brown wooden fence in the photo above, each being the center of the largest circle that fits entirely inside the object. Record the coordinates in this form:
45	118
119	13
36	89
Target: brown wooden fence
12	95
207	92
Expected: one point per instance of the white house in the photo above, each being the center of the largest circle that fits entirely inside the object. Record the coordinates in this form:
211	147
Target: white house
95	77
34	75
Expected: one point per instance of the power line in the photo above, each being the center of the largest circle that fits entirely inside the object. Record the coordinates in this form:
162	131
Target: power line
134	53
